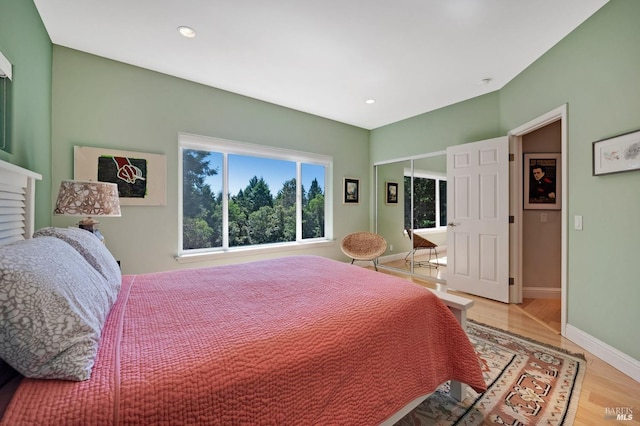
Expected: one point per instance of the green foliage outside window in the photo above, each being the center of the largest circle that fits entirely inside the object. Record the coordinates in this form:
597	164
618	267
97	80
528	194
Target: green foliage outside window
424	202
255	215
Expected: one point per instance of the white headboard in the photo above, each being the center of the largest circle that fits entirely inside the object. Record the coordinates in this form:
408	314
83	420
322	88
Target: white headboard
17	202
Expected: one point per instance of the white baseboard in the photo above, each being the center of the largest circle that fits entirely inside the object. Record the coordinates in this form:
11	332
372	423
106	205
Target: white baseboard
541	293
392	257
609	354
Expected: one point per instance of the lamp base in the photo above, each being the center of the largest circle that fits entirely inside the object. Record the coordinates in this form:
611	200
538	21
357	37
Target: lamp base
88	223
91	225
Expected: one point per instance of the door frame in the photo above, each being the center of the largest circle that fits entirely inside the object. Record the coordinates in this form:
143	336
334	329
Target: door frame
516	193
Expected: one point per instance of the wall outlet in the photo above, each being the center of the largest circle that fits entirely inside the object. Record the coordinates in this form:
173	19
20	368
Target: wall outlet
544	218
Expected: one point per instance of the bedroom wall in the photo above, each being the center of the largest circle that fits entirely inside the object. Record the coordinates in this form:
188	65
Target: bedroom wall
102	103
25	43
595	71
473	120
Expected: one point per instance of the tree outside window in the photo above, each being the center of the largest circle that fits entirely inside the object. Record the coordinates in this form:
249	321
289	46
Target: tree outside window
262	204
429	202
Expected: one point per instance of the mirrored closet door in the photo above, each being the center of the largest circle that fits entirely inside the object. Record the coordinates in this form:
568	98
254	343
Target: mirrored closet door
411	214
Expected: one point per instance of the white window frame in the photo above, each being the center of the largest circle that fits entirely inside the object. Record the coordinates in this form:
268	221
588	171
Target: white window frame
227	147
417	173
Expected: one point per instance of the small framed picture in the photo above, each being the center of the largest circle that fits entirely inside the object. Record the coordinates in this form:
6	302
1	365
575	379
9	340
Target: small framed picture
351	191
617	154
392	192
542	181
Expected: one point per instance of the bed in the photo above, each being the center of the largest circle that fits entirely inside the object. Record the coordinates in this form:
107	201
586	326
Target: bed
292	340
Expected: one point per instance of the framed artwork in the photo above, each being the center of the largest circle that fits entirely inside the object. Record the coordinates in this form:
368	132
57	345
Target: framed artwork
617	154
351	189
392	192
542	181
141	177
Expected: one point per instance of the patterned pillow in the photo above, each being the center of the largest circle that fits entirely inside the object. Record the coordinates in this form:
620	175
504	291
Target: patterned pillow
53	306
91	248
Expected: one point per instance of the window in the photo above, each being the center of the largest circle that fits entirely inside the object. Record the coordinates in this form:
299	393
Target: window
237	195
429	201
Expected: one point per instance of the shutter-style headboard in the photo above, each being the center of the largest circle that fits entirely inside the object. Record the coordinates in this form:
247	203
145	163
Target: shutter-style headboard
17	202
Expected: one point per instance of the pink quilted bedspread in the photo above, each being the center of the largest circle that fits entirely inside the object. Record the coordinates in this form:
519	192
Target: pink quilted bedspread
295	340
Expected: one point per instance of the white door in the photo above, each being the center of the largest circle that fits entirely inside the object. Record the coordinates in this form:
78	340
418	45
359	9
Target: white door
478	218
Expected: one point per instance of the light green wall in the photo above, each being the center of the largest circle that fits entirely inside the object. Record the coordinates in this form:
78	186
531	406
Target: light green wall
102	103
473	120
25	43
595	70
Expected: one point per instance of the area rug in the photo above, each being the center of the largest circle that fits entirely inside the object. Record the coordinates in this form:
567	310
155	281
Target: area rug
529	383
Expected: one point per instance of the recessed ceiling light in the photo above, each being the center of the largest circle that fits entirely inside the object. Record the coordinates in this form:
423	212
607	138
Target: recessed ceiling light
187	31
370	101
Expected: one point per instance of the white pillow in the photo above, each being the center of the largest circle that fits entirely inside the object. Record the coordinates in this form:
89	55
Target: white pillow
53	306
91	248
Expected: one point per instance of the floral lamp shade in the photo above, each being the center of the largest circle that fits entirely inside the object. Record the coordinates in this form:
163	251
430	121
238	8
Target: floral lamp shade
87	198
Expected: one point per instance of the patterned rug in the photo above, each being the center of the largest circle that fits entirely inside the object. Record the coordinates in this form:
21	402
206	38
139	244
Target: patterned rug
529	383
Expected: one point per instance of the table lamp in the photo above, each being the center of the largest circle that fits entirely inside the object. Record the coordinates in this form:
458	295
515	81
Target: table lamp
88	198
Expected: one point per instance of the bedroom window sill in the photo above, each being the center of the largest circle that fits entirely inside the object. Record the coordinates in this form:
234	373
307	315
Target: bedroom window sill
251	251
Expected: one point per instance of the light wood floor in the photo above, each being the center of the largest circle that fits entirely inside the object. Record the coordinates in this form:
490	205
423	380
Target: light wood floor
545	311
603	386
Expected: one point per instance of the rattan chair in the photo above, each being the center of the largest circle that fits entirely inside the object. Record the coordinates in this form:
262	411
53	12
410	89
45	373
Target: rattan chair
365	246
420	243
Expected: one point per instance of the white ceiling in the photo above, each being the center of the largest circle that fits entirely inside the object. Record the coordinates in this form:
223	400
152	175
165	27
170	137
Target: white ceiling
326	57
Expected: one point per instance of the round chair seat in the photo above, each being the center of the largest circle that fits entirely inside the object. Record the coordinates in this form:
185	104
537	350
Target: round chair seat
363	246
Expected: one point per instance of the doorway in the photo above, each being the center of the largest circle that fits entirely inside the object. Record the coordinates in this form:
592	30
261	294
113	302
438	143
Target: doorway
538	240
541	225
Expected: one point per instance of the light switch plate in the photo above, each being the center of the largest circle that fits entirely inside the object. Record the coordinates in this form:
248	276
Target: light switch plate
577	223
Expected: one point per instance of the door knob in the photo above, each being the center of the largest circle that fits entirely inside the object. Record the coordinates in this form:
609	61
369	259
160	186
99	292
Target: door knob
452	225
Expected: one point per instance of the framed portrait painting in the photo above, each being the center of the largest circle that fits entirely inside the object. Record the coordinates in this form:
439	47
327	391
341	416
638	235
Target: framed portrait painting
351	190
392	192
542	181
141	177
